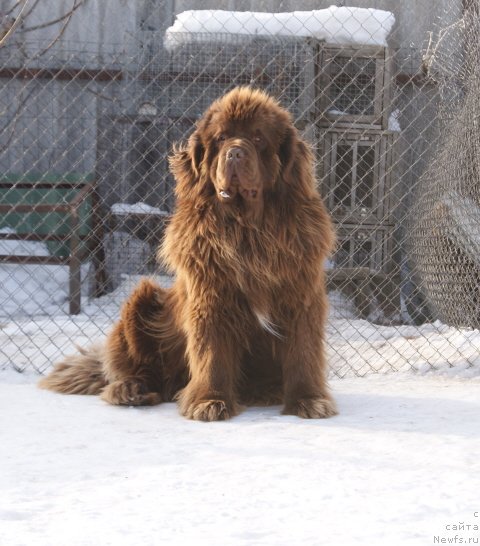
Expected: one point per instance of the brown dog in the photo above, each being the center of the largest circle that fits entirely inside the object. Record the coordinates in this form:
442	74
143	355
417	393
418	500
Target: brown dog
244	321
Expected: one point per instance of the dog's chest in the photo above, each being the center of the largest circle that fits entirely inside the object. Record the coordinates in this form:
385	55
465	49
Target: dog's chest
257	272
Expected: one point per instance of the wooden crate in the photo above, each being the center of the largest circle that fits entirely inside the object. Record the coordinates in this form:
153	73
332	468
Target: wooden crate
364	246
355	170
353	84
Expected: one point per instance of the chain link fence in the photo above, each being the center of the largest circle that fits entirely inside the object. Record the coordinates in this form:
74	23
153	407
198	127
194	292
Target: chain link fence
85	190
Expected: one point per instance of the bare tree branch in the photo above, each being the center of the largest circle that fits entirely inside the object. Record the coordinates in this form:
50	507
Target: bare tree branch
23	15
13	8
67	16
11	124
30	11
18	21
431	54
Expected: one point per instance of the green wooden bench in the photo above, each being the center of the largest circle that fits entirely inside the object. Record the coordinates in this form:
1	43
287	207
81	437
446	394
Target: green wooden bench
61	211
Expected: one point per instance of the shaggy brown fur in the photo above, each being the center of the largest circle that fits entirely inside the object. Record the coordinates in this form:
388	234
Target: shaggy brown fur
244	321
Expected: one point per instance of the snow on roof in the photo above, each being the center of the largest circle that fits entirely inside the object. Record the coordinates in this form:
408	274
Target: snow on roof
338	25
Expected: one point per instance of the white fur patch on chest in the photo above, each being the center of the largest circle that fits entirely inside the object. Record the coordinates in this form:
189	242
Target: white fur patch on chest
268	325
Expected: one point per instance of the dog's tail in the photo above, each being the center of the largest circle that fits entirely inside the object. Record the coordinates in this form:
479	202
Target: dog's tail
81	373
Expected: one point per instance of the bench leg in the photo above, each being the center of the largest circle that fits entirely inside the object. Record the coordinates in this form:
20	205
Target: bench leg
74	266
102	282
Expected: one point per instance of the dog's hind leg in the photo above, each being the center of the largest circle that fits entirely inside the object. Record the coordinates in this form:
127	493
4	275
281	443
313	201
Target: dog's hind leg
140	363
144	362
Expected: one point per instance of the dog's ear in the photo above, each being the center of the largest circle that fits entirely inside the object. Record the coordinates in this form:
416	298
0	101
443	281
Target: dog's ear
185	163
196	152
297	162
287	150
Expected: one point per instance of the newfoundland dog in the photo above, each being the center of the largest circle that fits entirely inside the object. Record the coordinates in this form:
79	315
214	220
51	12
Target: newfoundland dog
244	322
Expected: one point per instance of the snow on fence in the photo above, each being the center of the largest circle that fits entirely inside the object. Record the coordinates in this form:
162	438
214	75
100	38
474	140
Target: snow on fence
373	109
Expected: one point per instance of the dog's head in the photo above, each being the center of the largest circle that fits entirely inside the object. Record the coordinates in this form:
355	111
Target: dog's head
244	145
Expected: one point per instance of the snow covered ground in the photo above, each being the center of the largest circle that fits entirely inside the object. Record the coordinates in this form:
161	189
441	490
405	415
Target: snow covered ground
35	329
399	466
354	346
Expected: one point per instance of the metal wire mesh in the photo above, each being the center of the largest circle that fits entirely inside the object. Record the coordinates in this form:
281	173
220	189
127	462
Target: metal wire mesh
85	188
445	236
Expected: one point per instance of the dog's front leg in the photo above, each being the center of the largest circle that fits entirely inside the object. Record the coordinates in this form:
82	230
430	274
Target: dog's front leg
304	364
213	355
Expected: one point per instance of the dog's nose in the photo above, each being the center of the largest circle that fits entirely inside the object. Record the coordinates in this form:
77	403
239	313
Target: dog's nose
235	153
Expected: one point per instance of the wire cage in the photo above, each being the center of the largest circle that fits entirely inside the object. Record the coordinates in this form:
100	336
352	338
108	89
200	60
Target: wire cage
356	171
198	68
445	234
354	85
363	246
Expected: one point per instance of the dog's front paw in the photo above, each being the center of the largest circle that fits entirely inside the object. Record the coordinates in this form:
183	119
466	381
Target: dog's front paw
311	408
205	408
209	410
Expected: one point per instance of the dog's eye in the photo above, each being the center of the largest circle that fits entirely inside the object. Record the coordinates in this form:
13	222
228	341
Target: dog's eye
257	139
222	138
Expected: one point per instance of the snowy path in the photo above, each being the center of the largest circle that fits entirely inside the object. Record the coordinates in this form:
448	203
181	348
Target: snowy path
399	464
